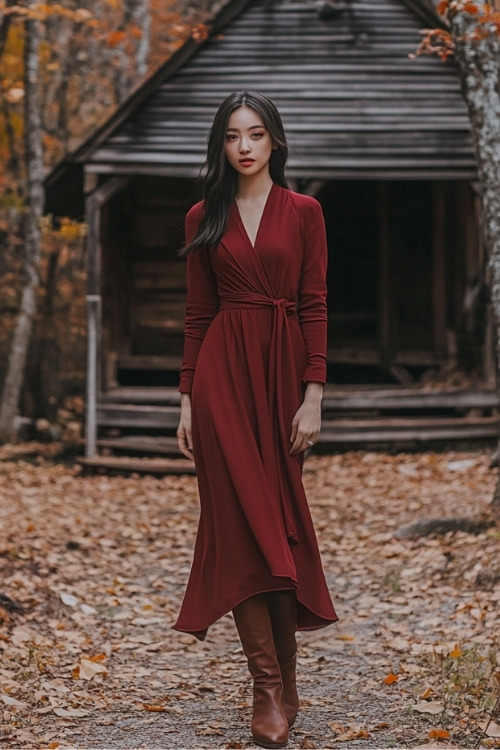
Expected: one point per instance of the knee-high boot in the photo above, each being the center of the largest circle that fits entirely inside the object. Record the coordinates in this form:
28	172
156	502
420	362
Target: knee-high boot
283	611
253	622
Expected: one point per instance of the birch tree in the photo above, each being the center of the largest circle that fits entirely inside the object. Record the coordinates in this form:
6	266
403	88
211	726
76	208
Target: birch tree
473	38
477	50
136	19
34	192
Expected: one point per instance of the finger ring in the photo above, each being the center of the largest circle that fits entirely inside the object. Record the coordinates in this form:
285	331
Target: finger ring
310	442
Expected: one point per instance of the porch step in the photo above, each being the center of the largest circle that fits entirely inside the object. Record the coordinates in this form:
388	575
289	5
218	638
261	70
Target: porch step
399	430
336	434
164	446
335	431
141	395
148	362
336	398
408	398
143	421
140	465
149	416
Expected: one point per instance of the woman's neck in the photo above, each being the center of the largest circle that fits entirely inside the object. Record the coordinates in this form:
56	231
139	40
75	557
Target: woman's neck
253	188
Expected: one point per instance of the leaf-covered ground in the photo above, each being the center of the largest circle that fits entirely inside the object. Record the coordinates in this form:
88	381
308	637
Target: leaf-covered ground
92	571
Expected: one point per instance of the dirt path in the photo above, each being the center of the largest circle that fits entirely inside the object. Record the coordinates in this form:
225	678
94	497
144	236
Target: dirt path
99	565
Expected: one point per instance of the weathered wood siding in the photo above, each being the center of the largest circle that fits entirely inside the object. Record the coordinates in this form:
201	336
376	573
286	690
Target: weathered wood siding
354	104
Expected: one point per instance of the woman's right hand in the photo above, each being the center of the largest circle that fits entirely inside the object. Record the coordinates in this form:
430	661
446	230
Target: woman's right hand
184	430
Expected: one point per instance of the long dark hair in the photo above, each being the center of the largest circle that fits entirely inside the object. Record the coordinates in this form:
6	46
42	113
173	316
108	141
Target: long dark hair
221	179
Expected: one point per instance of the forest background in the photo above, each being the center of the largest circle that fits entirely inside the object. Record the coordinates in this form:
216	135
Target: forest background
91	55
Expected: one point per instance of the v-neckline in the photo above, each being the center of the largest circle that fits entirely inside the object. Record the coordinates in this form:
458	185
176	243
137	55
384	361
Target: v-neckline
254	244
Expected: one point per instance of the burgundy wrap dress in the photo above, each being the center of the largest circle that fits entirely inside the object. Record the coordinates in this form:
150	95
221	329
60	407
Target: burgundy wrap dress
255	334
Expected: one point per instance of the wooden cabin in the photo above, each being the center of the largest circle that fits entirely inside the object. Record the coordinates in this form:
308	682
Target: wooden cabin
380	138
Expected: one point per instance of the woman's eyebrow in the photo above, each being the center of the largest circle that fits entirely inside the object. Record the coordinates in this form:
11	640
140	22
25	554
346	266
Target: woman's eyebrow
252	127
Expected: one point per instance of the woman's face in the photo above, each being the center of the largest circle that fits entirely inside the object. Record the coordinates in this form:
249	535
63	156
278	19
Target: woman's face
248	143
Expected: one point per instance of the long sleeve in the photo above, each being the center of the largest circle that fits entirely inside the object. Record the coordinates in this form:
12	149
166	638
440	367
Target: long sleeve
202	302
312	306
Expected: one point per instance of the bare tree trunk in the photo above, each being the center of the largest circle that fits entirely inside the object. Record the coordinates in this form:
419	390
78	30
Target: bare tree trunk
478	55
5	21
34	170
13	161
128	71
140	16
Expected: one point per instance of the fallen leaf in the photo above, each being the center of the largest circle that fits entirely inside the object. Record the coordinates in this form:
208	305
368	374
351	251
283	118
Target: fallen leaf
97	657
390	679
429	707
439	734
69	600
71	713
426	694
149	707
87	609
491	729
12	702
89	669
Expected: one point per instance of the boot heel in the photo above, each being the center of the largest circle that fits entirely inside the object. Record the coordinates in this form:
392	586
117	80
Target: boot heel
290	694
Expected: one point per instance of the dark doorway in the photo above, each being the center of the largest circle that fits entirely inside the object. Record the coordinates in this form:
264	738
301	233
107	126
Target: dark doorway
387	292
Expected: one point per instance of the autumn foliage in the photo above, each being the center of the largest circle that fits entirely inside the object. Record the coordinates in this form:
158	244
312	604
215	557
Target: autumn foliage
440	41
87	58
90	56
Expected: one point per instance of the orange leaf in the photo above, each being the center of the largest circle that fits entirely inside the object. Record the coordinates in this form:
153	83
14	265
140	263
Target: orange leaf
76	672
426	694
115	37
471	8
390	679
439	734
443	6
455	653
97	657
149	707
200	32
135	31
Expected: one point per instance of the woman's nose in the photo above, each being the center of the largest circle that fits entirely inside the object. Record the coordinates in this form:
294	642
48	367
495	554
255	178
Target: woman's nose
244	146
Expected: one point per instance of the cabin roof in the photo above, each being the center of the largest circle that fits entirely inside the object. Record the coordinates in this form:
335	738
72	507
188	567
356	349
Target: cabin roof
354	104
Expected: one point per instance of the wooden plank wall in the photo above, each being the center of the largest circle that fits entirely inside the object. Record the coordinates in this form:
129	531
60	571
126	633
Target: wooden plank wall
144	286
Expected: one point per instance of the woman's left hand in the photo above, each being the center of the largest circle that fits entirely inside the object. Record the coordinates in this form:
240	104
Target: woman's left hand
306	425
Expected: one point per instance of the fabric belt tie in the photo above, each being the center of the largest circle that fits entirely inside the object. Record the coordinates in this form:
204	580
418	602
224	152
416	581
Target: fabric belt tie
281	369
256	300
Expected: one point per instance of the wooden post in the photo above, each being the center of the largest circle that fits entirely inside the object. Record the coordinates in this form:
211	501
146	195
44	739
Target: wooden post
385	301
439	269
93	207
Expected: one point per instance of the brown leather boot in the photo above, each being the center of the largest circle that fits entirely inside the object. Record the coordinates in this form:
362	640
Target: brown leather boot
283	611
269	722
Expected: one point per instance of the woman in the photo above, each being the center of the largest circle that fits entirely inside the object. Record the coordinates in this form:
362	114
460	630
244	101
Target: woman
251	387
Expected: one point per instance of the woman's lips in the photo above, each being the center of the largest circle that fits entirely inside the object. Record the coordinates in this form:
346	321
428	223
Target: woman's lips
247	162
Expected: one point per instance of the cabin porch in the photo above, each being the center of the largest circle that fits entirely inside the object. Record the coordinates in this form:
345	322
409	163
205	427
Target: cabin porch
406	305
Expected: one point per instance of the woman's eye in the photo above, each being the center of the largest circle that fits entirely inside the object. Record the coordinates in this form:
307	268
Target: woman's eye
230	137
257	135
